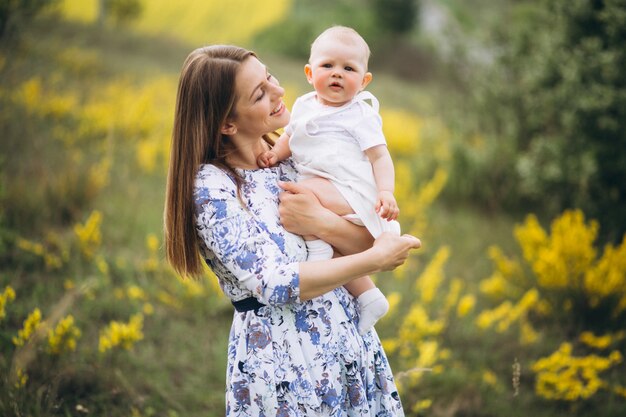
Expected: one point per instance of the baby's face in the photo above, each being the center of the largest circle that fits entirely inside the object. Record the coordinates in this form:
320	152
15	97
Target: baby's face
337	70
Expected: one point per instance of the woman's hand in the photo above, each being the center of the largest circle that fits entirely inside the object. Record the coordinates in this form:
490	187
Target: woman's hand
301	213
389	252
392	251
299	210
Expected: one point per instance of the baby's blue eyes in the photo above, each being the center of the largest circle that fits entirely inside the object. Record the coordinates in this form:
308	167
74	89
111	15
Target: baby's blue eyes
348	68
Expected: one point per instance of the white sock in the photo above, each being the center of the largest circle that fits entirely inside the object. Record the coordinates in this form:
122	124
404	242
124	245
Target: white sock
318	250
372	306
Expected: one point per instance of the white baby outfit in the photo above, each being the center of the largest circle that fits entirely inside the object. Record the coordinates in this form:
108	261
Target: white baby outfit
329	142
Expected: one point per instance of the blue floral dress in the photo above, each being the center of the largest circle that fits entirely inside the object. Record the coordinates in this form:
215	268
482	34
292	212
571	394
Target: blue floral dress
288	358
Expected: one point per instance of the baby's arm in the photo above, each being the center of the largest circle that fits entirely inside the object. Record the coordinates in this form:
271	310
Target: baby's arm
279	152
382	165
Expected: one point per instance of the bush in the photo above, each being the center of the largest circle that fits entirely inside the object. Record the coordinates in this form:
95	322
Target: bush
396	16
293	35
121	11
569	297
15	14
556	92
542	335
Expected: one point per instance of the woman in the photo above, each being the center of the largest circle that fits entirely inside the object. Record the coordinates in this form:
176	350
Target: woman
294	348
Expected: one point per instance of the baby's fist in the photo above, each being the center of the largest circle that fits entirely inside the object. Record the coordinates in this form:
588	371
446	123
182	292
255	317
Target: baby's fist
386	206
266	159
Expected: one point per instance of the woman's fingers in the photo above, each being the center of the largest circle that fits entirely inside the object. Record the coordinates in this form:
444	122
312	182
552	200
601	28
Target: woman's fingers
293	188
414	242
395	249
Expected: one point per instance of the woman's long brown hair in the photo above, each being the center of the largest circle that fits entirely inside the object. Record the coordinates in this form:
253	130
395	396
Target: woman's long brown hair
205	100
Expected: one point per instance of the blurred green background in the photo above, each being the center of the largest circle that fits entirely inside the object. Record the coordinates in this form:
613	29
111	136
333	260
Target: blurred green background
506	121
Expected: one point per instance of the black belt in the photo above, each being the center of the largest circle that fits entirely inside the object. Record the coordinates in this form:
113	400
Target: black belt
247	304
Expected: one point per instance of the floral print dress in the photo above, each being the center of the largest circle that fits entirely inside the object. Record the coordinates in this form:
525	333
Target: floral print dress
287	358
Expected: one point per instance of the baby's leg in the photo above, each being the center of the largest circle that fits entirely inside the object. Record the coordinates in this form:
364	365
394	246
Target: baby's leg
332	199
372	302
328	195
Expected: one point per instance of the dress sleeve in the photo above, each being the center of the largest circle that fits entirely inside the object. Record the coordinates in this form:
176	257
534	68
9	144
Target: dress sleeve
368	130
232	238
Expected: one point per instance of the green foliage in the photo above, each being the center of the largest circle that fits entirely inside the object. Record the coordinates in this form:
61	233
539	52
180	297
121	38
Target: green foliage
293	36
120	11
14	14
557	92
396	16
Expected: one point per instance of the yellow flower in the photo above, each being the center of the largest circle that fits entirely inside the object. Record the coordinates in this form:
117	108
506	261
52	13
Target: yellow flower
169	300
121	334
394	300
528	335
422	405
494	286
427	354
561	259
31	324
466	304
598	342
488	317
63	337
102	265
608	276
136	293
21	378
531	236
7	296
562	376
402	130
98	175
152	242
490	378
390	345
416	326
456	285
89	236
147	309
429	281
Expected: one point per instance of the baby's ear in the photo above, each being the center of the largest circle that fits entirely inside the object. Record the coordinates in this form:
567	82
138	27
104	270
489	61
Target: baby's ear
308	71
367	78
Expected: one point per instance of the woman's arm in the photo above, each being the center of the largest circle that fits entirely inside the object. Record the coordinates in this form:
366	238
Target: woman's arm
234	241
302	214
389	251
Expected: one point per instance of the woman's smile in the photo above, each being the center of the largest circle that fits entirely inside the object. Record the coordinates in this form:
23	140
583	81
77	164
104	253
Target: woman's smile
278	110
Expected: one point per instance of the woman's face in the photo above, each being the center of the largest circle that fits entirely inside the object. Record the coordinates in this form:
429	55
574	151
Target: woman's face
259	108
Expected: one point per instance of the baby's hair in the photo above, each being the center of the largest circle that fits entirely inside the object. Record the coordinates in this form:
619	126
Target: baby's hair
346	35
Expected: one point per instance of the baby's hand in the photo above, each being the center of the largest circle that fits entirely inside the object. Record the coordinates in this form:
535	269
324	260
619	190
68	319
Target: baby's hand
386	206
266	159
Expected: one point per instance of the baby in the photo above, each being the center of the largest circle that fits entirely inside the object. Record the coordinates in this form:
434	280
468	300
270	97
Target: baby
335	138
